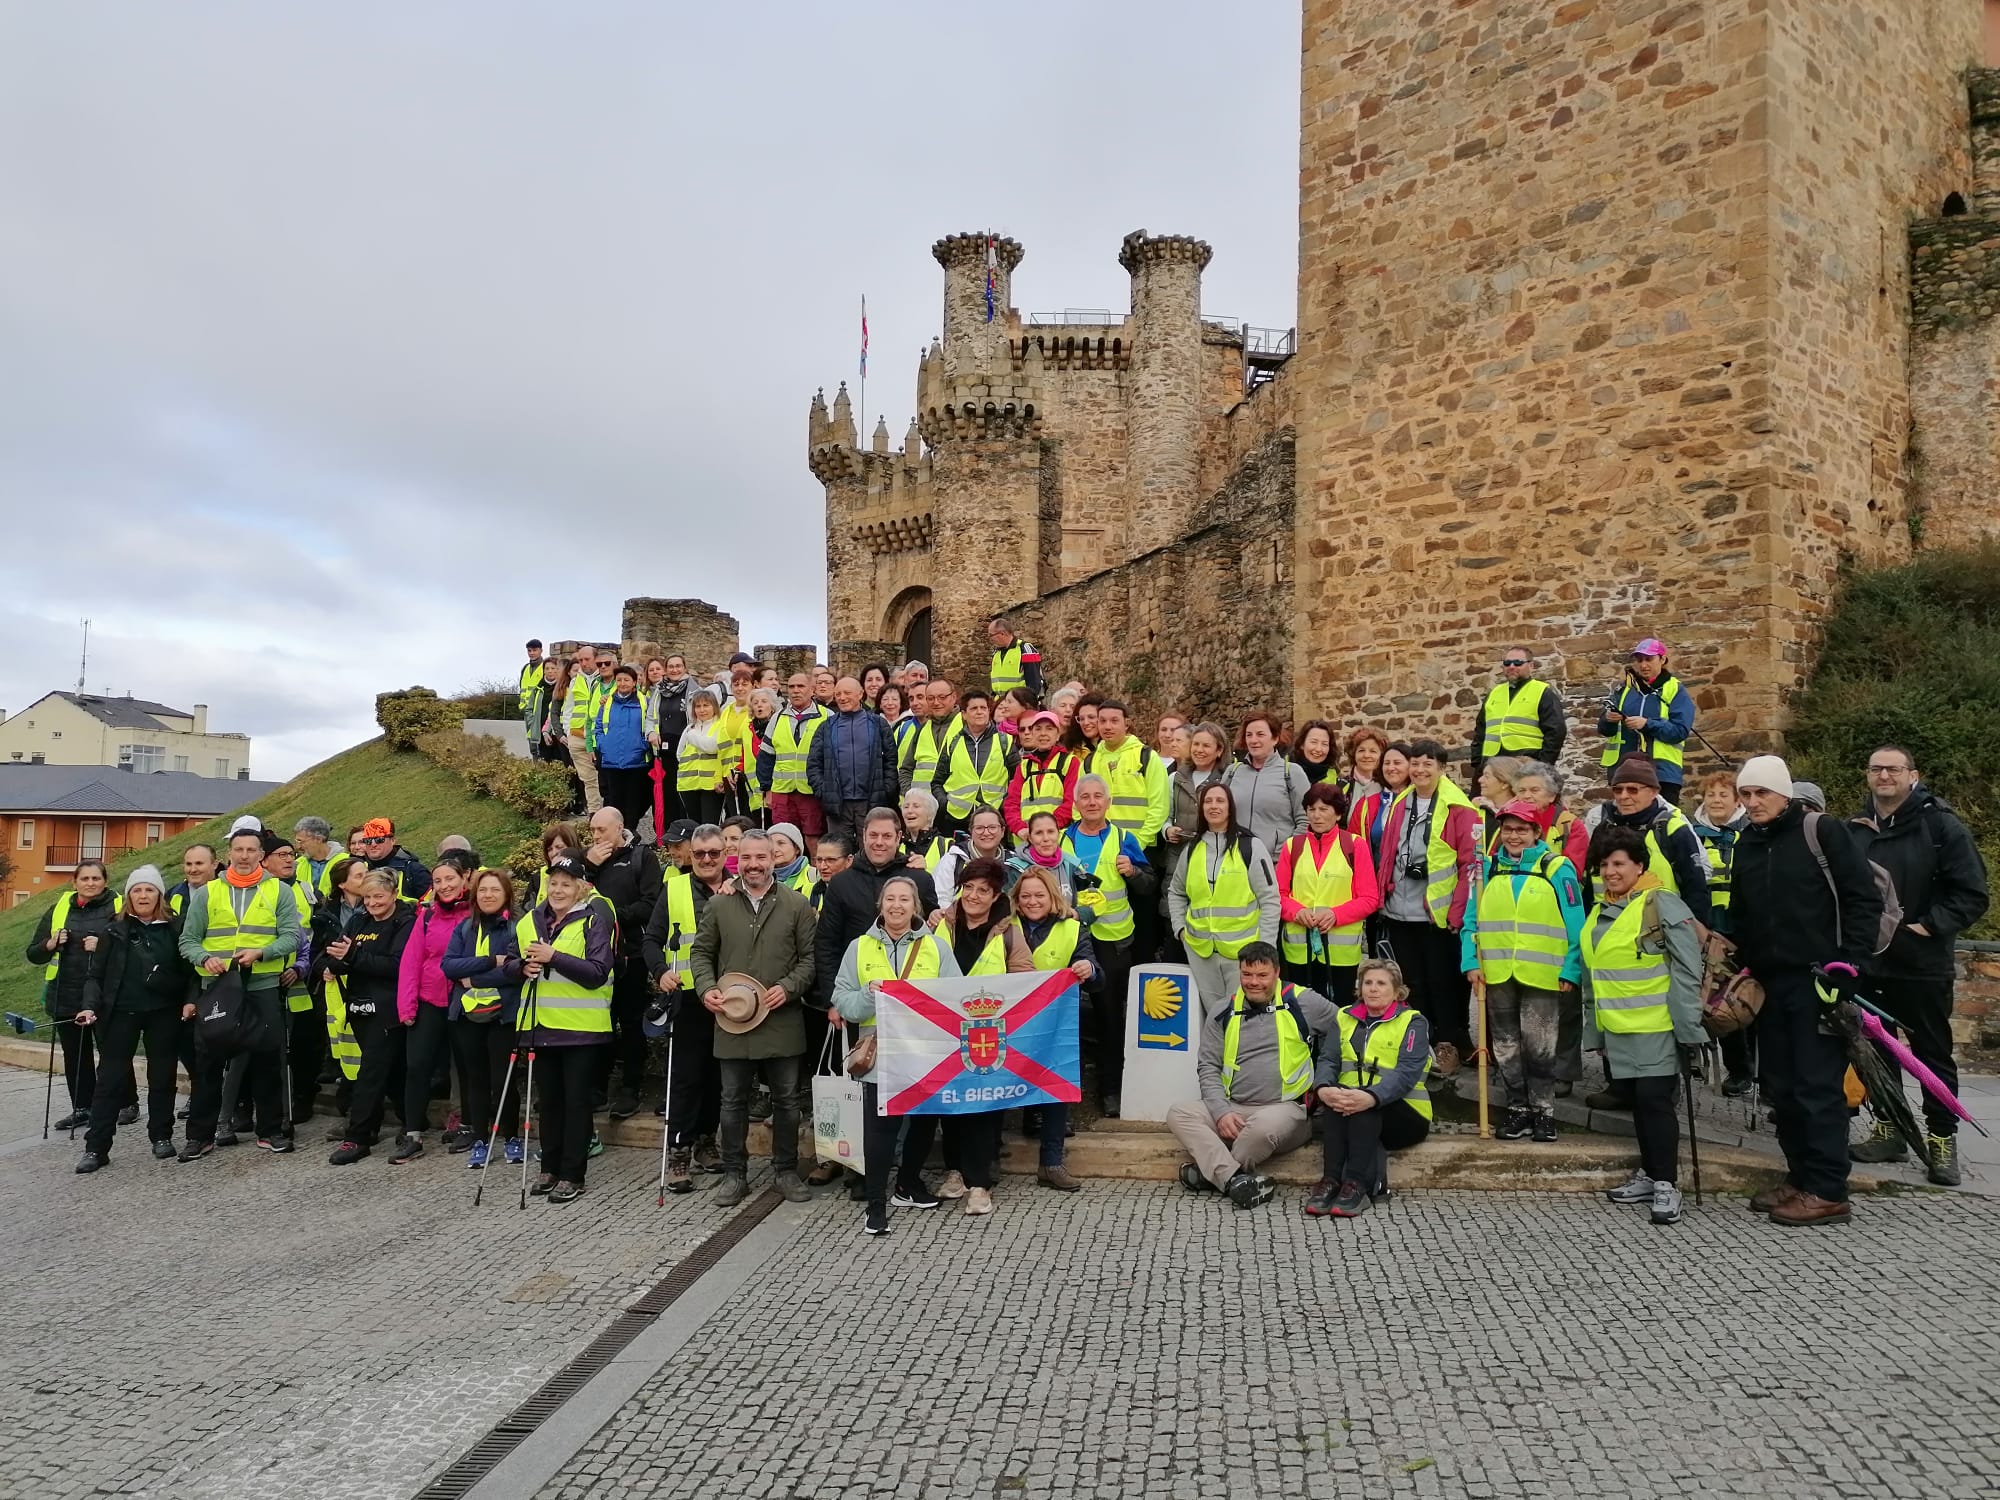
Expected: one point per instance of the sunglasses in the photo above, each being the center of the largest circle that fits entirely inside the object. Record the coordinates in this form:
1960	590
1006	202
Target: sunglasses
708	854
1514	661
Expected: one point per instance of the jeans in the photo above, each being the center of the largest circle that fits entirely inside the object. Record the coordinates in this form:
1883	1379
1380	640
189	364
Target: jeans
561	1107
878	1145
118	1036
1355	1148
1054	1128
426	1040
781	1076
1522	1026
1803	1070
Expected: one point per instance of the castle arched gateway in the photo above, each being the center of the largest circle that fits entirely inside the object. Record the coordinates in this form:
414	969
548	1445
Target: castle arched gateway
908	621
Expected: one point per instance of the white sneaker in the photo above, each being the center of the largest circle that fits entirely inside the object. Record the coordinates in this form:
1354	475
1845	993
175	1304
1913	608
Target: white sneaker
1638	1188
1666	1203
978	1201
953	1186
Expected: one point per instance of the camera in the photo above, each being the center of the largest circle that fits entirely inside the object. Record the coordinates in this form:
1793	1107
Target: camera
1416	867
1085	881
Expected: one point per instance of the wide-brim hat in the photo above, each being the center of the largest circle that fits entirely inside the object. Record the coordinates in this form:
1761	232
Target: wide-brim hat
742	1003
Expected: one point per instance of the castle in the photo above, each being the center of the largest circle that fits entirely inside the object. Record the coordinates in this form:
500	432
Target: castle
1616	318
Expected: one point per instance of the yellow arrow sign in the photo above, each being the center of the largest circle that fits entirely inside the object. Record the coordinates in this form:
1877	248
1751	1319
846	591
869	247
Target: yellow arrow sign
1171	1039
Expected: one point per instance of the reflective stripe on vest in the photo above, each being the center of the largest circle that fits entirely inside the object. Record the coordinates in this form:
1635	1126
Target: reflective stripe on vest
1623	742
1057	949
1315	885
871	960
530	675
1042	786
1380	1052
1656	859
1295	1054
1221	909
1440	859
562	1004
339	1033
966	785
1720	845
299	1000
1628	988
479	999
930	749
1006	673
1109	905
788	754
678	893
258	927
59	916
1522	938
1124	772
1513	719
699	770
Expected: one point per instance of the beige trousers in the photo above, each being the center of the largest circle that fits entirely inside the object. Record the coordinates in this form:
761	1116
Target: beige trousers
1271	1129
585	761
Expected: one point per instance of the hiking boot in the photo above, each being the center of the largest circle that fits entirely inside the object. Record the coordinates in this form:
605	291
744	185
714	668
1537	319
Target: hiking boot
277	1145
409	1148
566	1192
462	1141
953	1185
196	1150
225	1138
791	1187
624	1105
92	1160
1773	1197
1060	1178
1192	1179
680	1169
877	1221
1319	1199
915	1197
1736	1088
760	1103
1944	1160
732	1192
823	1173
1607	1099
1544	1128
163	1150
1351	1202
1666	1203
1638	1188
514	1151
978	1202
595	1148
129	1115
1249	1189
707	1155
345	1152
477	1159
1883	1143
1519	1125
1807	1209
543	1185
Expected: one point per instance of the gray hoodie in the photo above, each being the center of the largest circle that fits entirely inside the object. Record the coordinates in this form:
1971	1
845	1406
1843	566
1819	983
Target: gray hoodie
854	1000
1270	802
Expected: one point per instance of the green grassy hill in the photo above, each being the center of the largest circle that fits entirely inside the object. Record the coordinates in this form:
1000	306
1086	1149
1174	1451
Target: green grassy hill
369	781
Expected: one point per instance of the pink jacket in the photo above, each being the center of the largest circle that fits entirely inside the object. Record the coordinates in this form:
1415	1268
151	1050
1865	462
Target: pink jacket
422	975
1462	825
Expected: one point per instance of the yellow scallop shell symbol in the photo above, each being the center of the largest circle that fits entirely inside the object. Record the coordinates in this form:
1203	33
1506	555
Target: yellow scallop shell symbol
1160	998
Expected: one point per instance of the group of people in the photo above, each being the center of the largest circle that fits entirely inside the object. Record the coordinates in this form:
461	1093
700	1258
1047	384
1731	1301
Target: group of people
1338	899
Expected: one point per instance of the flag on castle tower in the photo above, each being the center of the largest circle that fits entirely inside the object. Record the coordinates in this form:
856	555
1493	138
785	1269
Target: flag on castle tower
864	337
992	265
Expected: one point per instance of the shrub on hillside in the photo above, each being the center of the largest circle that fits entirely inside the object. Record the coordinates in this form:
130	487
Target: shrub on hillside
523	860
1912	657
534	789
409	715
501	704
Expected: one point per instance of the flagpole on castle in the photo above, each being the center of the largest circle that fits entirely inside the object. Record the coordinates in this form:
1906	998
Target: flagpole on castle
861	383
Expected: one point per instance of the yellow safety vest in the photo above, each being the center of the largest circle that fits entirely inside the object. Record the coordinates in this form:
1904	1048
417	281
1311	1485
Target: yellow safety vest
932	849
966	785
678	892
580	709
1720	845
340	1034
257	929
1512	719
1380	1054
1042	786
562	1004
1330	885
1295	1053
871	960
1109	904
805	881
1627	987
1440	859
1656	858
1622	741
1125	772
61	915
929	747
1221	908
1006	673
789	749
479	1001
992	958
1057	950
531	673
1522	938
699	770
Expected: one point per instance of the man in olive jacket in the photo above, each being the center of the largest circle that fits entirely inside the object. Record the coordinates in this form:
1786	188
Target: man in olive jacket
764	930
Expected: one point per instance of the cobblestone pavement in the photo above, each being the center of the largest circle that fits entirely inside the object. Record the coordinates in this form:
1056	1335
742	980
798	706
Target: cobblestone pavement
1135	1340
251	1327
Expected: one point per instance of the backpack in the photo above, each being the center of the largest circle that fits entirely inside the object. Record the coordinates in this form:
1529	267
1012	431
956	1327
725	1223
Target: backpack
227	1022
1892	906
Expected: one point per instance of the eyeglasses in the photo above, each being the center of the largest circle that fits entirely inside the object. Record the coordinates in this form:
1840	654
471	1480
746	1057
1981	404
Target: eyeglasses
708	854
1514	661
1889	770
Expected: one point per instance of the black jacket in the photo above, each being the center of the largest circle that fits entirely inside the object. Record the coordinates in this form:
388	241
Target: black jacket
76	970
416	878
1940	880
630	881
673	701
660	926
332	918
146	971
853	900
1782	906
374	963
1683	849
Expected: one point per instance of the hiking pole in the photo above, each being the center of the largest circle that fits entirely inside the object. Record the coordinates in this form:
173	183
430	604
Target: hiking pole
528	1088
1694	1149
1727	763
499	1107
49	1094
1479	999
667	1120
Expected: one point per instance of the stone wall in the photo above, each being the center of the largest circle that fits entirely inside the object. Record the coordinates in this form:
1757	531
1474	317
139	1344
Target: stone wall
699	631
1975	1016
787	659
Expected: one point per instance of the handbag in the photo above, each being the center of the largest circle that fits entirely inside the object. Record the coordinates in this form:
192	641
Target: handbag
861	1056
1730	997
840	1125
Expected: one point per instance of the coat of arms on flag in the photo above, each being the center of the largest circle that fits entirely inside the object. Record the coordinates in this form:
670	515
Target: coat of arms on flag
965	1046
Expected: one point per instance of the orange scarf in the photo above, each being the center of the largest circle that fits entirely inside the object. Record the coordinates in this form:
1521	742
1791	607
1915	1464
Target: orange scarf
242	882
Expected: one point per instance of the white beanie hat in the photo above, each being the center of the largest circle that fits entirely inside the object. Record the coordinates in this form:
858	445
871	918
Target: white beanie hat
146	875
1766	771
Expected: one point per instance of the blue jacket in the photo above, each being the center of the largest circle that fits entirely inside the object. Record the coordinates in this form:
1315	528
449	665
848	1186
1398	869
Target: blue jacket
853	759
1673	726
621	733
502	958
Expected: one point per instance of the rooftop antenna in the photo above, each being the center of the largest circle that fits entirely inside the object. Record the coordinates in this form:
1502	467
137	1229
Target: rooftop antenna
83	665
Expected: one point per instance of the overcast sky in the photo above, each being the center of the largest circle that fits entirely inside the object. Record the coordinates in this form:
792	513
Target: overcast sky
343	347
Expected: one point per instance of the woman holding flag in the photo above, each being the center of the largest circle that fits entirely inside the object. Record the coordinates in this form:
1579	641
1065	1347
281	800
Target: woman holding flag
1056	940
980	929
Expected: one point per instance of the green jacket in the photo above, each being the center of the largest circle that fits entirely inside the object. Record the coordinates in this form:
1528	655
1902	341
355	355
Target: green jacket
773	943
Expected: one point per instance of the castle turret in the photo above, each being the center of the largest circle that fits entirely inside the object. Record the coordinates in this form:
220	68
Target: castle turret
841	428
975	341
1164	419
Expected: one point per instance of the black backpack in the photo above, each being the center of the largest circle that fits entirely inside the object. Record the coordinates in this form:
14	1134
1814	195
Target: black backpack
228	1022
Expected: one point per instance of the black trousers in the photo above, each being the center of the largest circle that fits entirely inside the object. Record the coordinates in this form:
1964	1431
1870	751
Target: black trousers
382	1039
703	807
427	1044
1803	1069
79	1062
627	1052
1114	969
975	1146
481	1049
1922	1007
630	790
561	1106
878	1144
783	1077
310	1049
119	1035
1428	956
1329	981
1657	1126
265	1075
1355	1148
694	1093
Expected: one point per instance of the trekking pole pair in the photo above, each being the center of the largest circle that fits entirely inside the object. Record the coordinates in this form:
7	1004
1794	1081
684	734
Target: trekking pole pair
524	1021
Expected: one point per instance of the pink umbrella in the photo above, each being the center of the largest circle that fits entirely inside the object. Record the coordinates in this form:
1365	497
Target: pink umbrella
1881	1036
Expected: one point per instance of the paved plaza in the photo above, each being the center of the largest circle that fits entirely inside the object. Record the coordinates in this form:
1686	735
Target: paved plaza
250	1327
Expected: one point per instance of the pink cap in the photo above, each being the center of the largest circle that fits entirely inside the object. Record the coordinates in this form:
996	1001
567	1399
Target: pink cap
1522	809
1040	716
1650	646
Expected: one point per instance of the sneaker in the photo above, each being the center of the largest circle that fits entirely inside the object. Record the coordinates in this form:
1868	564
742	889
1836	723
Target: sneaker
1110	1110
595	1148
1773	1197
1351	1202
978	1202
680	1165
409	1148
1192	1179
277	1145
877	1221
129	1115
1666	1203
1518	1126
760	1103
1638	1188
91	1161
459	1142
543	1185
1883	1143
1319	1199
915	1197
1944	1160
953	1186
624	1105
565	1192
514	1152
791	1187
1060	1178
732	1192
225	1138
1249	1189
1736	1088
477	1158
196	1150
345	1152
163	1150
707	1155
1544	1127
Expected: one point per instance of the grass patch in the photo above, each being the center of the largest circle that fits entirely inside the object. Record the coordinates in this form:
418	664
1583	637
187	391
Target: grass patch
369	781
